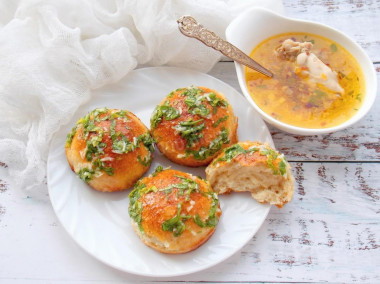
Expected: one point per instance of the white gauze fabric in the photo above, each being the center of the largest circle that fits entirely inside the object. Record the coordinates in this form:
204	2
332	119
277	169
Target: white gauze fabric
54	53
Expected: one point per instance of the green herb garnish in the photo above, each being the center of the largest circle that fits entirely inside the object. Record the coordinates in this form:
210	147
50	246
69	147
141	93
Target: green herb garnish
147	140
230	153
176	224
271	156
157	170
166	111
86	174
233	151
70	136
219	121
212	220
317	98
186	186
282	167
173	92
359	97
135	206
333	47
99	165
93	134
191	92
190	130
214	146
146	161
200	110
215	101
195	98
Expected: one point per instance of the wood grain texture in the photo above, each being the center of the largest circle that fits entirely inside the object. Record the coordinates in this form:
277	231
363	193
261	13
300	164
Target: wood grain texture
358	19
330	232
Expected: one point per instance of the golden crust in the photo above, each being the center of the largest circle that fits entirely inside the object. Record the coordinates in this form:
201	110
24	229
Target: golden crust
158	206
257	168
109	169
176	147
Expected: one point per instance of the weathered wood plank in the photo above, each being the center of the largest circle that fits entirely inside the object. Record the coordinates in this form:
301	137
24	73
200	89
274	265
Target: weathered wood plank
361	142
358	19
330	231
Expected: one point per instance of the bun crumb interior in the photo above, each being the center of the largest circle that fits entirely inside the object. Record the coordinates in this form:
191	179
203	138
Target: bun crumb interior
253	167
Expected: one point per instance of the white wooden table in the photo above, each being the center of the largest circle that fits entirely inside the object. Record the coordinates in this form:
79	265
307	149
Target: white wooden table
330	232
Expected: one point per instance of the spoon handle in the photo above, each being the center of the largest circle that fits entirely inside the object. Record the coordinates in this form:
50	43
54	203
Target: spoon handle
191	28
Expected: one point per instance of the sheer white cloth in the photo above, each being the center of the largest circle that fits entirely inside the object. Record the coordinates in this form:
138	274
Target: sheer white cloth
54	53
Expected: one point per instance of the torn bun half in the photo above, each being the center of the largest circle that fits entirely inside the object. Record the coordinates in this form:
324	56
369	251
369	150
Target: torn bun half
253	167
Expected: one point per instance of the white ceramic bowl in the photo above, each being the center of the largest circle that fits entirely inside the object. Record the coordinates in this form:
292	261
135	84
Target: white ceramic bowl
255	25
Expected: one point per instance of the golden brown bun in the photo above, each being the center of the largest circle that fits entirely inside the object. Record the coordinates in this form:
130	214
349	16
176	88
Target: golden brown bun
165	196
109	149
214	125
254	167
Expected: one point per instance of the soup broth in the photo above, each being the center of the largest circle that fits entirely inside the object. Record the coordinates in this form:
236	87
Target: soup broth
293	99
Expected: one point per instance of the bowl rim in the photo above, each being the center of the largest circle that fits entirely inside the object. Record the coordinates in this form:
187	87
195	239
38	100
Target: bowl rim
365	63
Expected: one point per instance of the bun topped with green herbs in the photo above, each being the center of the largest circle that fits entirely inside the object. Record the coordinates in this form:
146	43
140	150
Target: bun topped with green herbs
172	211
253	167
109	149
192	125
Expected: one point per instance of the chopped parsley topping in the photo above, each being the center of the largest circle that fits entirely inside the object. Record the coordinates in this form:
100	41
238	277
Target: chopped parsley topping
70	136
176	224
215	101
119	113
212	219
186	186
271	156
282	167
157	170
214	146
200	103
195	97
233	151
147	140
135	206
190	130
230	153
88	122
220	120
166	111
200	110
121	144
94	146
146	161
86	174
93	134
100	166
173	92
191	92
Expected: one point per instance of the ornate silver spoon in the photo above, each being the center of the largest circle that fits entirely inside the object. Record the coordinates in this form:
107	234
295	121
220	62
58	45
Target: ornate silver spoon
191	28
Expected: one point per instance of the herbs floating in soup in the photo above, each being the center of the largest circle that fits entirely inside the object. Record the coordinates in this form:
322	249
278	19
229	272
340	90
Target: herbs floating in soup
317	83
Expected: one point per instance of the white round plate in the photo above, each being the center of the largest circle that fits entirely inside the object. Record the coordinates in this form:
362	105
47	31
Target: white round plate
99	222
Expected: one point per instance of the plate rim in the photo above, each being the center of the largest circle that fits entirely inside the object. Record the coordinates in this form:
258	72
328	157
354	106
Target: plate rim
91	253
